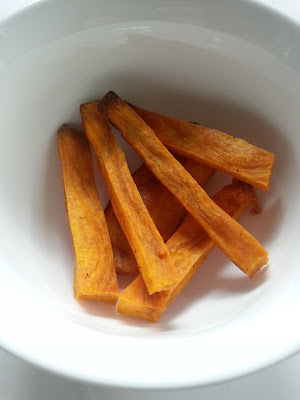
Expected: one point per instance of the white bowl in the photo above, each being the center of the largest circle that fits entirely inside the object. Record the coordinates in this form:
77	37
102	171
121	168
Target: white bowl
231	65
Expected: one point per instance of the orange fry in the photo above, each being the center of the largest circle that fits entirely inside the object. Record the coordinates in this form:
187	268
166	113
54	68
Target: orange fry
149	249
94	274
165	210
212	147
241	247
189	247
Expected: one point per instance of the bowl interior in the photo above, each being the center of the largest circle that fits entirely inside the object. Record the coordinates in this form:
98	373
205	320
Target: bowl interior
182	60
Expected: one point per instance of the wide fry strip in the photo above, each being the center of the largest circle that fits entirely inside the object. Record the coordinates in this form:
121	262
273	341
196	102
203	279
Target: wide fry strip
241	247
165	210
94	274
212	147
149	249
189	246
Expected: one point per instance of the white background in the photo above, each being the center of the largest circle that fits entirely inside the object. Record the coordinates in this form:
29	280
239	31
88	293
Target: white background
20	381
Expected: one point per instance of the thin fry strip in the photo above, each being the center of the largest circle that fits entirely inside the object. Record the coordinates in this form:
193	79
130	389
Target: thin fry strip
241	247
189	247
94	274
165	210
149	249
212	147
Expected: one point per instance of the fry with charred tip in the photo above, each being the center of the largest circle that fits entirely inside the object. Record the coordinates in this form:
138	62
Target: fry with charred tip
189	246
149	249
241	247
94	274
165	210
212	147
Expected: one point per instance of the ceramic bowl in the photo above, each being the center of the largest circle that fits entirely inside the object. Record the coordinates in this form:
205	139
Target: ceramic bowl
230	65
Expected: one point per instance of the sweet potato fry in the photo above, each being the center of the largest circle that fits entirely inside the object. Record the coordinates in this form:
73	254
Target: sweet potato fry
94	274
189	246
165	210
149	249
124	260
212	147
241	247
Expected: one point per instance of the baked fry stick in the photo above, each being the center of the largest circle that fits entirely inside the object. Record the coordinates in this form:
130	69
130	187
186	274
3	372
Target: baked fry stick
212	147
241	247
94	274
189	246
165	210
148	246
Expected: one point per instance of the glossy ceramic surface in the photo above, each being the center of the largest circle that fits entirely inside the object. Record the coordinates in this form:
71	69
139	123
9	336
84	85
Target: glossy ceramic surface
232	66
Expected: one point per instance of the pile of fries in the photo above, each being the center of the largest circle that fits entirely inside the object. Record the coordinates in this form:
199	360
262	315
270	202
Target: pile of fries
160	224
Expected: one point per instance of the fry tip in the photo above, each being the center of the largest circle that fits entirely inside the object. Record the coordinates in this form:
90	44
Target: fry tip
109	99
